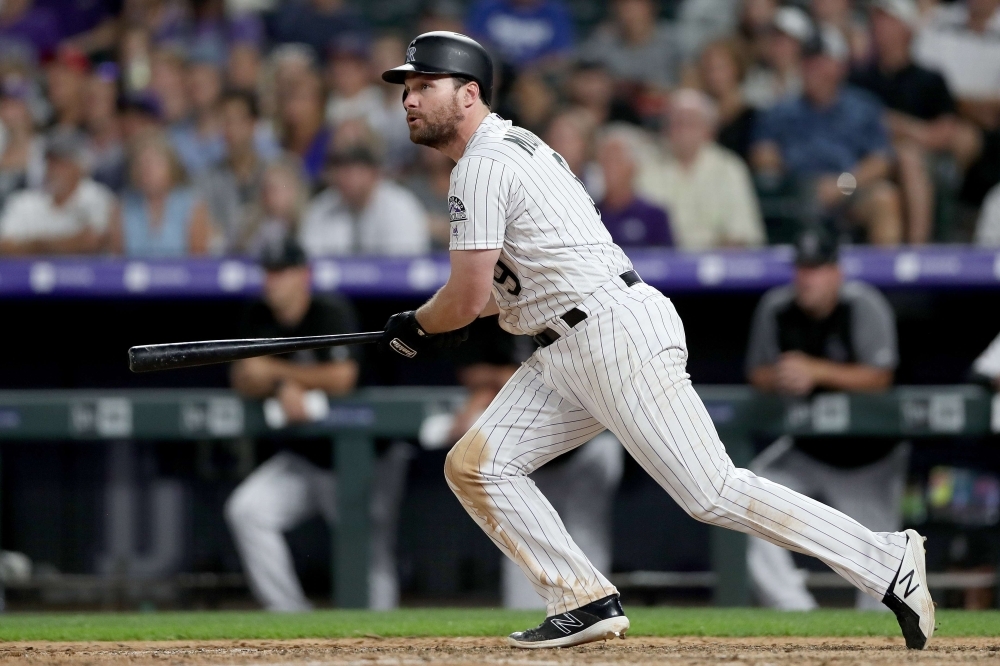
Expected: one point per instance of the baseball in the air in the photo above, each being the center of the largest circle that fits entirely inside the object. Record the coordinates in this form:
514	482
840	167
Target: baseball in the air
847	183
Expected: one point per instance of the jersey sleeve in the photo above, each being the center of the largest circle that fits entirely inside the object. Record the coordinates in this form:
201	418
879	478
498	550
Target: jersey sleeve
478	200
873	325
763	348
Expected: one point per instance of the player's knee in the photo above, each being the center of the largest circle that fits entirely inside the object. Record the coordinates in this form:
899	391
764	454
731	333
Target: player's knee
461	466
239	509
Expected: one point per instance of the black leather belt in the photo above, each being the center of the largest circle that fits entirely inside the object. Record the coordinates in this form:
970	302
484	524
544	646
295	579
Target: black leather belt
576	315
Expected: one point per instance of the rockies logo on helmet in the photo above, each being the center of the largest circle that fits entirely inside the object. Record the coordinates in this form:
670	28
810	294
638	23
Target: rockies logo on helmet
411	53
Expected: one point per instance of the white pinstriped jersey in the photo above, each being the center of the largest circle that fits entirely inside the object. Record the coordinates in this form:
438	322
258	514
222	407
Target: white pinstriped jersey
513	192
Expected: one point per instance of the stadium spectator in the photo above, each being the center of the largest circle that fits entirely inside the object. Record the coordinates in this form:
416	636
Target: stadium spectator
400	153
962	41
632	221
168	83
635	46
430	182
591	87
441	15
230	188
571	135
296	483
165	21
778	75
849	21
920	111
702	21
70	215
161	215
988	225
243	61
705	188
830	132
140	115
66	78
198	138
353	94
824	334
362	212
316	23
32	30
523	32
721	70
91	26
135	59
22	163
103	127
278	208
755	25
303	132
532	101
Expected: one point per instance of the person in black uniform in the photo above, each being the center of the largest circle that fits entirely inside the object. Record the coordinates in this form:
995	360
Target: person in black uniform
296	482
824	334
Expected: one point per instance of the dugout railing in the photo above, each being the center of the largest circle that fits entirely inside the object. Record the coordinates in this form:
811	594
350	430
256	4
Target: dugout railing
740	414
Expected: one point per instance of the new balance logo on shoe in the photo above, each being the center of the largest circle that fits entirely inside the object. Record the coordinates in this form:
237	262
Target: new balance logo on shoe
905	583
566	623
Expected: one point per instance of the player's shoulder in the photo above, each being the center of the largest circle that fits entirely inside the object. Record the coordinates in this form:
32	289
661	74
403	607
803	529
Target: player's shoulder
864	295
500	141
777	299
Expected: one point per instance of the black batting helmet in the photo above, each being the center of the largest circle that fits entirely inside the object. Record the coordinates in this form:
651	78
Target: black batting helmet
443	52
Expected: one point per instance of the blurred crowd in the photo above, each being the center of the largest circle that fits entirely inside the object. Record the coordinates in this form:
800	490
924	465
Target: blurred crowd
169	128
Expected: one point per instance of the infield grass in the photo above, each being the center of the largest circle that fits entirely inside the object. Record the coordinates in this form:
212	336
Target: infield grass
646	621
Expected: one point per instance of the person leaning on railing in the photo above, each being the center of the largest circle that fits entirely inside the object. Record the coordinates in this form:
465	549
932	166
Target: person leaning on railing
822	333
297	483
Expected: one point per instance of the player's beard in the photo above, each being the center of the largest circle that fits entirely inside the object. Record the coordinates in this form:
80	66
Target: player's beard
441	128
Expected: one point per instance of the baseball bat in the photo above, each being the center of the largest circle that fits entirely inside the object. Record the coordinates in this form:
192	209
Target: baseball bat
188	354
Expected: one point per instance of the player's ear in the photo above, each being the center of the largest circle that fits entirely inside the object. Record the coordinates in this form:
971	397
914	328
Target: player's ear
472	93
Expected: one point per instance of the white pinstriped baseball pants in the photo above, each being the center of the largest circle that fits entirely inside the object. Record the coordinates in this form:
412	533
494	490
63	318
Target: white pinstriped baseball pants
623	368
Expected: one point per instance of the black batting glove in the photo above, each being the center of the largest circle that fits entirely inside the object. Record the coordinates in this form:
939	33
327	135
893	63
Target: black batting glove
404	336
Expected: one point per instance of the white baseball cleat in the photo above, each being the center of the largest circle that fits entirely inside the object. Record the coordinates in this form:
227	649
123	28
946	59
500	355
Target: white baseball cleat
908	596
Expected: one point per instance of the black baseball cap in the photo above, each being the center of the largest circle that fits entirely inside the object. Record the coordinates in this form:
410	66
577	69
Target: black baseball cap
286	253
816	247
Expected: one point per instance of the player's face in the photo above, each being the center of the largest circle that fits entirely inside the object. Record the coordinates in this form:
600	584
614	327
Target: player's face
817	288
286	292
433	111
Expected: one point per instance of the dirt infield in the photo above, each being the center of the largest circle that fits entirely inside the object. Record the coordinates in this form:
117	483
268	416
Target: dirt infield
479	651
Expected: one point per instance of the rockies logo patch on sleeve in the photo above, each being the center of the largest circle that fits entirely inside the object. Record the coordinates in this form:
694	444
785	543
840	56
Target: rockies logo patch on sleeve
456	209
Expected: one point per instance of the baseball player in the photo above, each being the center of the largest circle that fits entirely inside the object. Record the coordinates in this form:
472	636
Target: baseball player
527	242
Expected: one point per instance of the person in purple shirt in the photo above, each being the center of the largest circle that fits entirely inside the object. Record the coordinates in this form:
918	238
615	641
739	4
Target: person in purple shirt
631	220
34	28
91	25
522	32
304	132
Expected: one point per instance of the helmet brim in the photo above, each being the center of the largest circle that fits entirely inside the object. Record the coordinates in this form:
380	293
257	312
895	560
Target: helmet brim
398	74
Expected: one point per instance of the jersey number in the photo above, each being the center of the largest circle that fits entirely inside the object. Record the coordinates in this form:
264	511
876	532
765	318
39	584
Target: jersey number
502	275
